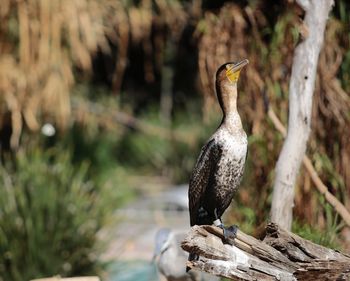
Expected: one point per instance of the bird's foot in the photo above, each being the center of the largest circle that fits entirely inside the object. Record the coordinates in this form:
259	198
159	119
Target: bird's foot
230	233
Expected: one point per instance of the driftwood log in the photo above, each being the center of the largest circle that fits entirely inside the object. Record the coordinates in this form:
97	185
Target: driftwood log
282	255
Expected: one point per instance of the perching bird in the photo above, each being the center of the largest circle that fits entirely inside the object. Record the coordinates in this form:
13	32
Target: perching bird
171	258
219	168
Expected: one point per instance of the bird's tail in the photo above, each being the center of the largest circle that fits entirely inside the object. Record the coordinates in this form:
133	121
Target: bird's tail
191	257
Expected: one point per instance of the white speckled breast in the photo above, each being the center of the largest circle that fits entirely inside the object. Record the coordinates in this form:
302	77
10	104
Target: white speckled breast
231	165
235	145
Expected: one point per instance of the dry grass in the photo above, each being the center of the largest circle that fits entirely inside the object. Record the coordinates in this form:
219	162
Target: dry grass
40	43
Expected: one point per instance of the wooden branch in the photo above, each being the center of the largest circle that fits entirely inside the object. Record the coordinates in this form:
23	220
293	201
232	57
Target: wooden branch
301	90
322	188
281	256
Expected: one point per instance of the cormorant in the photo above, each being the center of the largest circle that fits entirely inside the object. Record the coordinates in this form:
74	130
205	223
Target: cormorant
219	168
170	257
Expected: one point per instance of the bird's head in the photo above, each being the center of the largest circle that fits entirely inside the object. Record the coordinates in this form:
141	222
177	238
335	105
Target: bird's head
161	242
226	84
229	72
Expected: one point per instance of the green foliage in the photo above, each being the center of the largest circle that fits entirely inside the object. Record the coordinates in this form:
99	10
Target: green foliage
328	236
50	214
154	155
247	218
324	166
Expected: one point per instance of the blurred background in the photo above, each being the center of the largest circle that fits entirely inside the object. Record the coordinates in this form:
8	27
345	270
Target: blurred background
105	104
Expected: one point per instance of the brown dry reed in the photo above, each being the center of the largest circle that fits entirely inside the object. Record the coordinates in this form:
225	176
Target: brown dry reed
41	42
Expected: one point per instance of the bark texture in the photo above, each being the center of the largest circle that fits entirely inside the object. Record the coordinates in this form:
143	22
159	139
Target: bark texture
301	90
282	255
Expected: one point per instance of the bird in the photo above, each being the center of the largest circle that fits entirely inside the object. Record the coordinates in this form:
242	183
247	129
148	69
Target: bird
220	165
171	257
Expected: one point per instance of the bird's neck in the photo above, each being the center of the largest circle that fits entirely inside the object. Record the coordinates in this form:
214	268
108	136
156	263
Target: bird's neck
228	104
232	123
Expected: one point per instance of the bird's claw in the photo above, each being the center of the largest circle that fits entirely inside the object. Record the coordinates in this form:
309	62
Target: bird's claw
230	233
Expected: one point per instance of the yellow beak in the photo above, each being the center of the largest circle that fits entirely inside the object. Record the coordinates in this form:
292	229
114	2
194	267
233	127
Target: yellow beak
233	70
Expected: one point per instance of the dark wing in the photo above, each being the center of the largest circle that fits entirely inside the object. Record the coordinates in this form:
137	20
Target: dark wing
202	173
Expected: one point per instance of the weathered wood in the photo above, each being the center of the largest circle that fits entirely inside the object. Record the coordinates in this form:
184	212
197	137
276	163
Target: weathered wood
323	270
299	249
282	255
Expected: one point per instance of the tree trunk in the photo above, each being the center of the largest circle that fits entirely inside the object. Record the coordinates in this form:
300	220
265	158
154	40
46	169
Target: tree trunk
301	90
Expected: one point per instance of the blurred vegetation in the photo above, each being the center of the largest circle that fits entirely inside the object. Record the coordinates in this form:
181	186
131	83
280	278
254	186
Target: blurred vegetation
128	86
328	237
50	216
